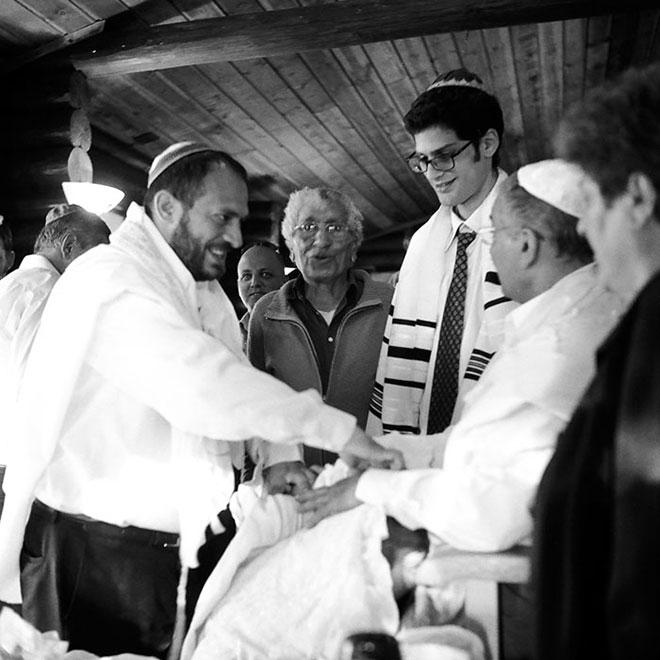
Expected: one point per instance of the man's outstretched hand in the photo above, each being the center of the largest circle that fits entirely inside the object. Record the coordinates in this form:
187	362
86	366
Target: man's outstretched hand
323	502
361	452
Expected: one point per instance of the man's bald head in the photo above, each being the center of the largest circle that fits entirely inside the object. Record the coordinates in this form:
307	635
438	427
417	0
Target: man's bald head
72	232
260	270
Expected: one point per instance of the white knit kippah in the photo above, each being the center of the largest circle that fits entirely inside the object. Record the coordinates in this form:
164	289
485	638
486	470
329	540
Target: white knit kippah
174	154
557	183
455	82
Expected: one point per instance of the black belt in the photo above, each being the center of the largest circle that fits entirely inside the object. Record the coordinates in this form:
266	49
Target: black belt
139	535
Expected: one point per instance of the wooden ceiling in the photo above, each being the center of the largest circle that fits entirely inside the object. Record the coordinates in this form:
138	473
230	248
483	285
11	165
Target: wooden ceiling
313	93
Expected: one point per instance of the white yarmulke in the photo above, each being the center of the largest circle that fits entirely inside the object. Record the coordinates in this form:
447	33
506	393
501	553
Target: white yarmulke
454	82
174	154
557	183
458	78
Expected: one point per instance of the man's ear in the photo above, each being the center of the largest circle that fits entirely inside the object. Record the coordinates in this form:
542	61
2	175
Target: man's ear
529	247
67	246
168	207
643	199
489	143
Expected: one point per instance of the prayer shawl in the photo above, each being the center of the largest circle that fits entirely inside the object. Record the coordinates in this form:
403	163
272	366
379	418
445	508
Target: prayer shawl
201	468
404	366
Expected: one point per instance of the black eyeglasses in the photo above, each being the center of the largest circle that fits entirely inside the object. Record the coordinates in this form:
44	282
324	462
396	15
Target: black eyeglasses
265	244
442	162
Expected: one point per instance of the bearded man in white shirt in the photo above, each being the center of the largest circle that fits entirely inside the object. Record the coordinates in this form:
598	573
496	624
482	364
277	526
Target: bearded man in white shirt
25	291
138	403
483	472
448	306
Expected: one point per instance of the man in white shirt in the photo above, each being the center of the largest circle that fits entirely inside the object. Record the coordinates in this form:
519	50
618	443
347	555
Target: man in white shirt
483	472
138	402
448	307
24	292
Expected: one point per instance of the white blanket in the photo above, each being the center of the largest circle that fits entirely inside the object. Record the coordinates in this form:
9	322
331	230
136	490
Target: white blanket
275	592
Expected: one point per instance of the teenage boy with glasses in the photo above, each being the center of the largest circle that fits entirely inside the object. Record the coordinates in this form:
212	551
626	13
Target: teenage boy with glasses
445	323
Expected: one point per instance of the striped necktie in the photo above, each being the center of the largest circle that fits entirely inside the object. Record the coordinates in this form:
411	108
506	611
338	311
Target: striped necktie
445	373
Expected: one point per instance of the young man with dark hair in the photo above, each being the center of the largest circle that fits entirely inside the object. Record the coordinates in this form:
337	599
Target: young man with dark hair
596	522
125	419
448	307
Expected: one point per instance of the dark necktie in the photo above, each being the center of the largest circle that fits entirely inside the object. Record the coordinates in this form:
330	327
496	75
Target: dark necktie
445	372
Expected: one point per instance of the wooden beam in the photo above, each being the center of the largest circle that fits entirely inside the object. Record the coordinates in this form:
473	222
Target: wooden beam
270	33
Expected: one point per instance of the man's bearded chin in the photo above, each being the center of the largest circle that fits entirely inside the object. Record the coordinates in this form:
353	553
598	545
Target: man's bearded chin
190	253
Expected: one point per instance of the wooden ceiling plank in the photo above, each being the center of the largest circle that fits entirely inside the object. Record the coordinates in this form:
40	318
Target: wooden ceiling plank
393	74
528	67
417	62
329	162
192	103
155	12
194	10
575	47
263	34
318	118
649	23
237	7
168	124
163	112
499	50
443	53
599	31
219	120
61	14
364	78
101	9
470	47
125	120
551	50
112	120
342	88
29	27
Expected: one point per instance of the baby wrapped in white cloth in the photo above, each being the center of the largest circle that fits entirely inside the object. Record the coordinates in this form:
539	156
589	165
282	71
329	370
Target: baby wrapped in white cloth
281	591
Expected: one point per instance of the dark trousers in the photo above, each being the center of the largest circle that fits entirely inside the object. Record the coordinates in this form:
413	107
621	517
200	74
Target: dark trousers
105	589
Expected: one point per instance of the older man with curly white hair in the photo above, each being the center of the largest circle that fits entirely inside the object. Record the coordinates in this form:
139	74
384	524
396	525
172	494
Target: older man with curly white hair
322	330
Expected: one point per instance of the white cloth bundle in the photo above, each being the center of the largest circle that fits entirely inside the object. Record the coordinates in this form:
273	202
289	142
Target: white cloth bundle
274	594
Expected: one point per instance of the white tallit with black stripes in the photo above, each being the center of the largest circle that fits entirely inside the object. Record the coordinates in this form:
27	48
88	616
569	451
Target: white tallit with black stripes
405	370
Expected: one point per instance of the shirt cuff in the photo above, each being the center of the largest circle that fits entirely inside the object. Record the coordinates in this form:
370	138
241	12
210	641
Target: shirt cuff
375	486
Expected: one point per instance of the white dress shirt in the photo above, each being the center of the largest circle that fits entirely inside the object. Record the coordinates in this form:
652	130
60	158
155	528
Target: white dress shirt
23	296
479	495
134	389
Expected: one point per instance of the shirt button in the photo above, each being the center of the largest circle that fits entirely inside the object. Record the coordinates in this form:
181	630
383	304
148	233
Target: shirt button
330	338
